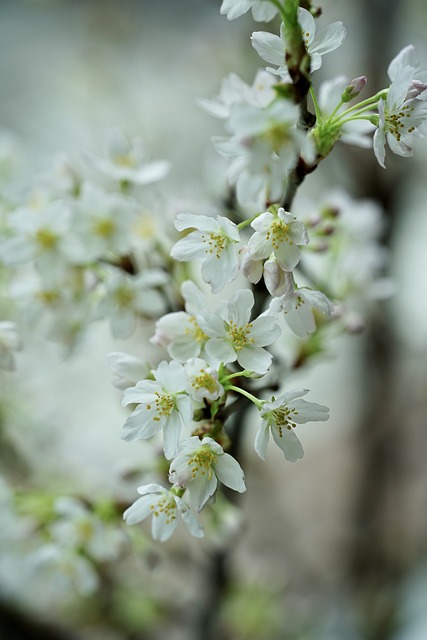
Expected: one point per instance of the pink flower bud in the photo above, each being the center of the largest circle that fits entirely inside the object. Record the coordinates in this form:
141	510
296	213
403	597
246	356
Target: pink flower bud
354	88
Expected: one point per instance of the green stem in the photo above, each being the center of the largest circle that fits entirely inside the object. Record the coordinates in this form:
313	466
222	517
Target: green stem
246	223
237	374
315	104
243	392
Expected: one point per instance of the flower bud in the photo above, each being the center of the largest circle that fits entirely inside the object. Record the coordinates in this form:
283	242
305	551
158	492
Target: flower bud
415	89
354	88
277	281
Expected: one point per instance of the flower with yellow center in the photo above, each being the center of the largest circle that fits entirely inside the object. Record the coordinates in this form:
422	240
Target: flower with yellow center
163	506
234	337
213	240
199	466
280	417
281	234
162	403
203	380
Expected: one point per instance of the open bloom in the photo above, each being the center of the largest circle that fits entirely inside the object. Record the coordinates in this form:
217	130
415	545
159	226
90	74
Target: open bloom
199	466
272	48
281	234
400	117
215	241
164	506
279	418
298	306
179	331
127	161
162	403
203	380
234	337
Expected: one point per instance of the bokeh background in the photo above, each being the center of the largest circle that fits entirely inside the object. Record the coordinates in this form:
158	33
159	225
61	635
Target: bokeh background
331	548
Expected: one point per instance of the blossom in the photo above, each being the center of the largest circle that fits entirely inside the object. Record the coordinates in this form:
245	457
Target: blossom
128	296
298	306
163	505
235	90
9	342
162	403
234	337
407	57
199	466
179	330
280	416
262	10
127	161
400	117
280	234
272	48
103	222
128	369
203	380
214	240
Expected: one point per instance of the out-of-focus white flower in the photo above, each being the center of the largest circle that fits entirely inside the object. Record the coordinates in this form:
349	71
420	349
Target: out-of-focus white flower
272	48
215	241
235	90
199	466
179	331
234	337
9	343
78	529
262	10
128	369
280	416
127	161
127	297
281	234
162	403
164	506
103	223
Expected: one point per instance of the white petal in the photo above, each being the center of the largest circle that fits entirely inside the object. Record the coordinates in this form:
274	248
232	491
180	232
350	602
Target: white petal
288	443
230	473
254	359
261	440
140	509
269	46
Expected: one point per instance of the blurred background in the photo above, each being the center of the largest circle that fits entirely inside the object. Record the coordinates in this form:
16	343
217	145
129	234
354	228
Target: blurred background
331	548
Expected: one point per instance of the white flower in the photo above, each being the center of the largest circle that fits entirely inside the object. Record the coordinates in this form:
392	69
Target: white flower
67	570
9	342
215	241
163	505
235	337
298	306
77	528
234	90
128	369
203	380
280	234
407	57
127	297
162	404
400	118
40	235
262	10
127	161
199	466
179	331
272	48
103	222
280	416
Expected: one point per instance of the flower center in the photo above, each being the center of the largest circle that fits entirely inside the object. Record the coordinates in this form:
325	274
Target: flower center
124	296
124	160
240	336
46	239
395	124
283	417
277	233
202	462
195	331
216	243
205	381
164	405
104	227
167	506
